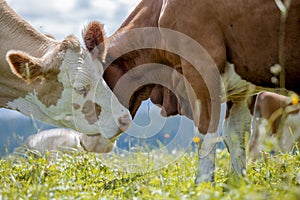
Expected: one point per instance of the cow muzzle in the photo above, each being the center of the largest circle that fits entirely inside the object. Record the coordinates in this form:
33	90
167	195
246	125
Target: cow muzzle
124	123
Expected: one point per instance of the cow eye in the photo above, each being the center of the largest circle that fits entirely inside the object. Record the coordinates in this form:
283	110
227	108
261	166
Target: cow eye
82	90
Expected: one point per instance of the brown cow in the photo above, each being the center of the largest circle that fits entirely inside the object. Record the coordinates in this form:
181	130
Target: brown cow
274	117
242	32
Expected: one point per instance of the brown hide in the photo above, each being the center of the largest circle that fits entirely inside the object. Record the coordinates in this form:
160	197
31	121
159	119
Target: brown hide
243	32
163	97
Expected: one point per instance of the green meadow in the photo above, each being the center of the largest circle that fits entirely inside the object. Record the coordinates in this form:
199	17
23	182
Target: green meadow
84	176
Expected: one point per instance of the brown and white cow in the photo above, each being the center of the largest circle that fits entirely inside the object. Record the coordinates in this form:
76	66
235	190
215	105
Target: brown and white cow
55	82
242	32
274	118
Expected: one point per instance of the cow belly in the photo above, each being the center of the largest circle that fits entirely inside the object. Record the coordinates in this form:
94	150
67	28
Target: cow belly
252	44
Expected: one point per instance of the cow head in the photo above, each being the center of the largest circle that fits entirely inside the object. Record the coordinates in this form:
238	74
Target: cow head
130	53
67	90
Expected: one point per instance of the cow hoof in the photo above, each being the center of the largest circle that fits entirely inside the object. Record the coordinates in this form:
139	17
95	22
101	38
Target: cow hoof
204	178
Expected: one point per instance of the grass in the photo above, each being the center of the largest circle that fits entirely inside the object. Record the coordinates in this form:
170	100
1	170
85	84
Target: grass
84	176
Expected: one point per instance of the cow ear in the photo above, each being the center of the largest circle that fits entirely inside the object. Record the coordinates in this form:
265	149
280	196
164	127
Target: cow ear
24	66
94	39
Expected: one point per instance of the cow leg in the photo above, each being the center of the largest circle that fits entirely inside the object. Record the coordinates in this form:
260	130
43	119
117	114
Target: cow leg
234	137
205	107
207	152
202	57
254	145
206	158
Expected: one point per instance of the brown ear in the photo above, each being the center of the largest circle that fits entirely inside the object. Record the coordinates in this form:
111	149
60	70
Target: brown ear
24	66
94	39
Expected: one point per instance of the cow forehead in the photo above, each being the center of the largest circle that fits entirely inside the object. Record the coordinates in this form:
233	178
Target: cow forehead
82	79
77	69
80	66
81	76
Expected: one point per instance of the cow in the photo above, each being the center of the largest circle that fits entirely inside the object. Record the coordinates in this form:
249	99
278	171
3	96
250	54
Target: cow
55	82
275	117
211	47
61	140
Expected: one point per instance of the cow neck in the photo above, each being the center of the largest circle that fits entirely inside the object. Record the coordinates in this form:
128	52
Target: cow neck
17	34
146	14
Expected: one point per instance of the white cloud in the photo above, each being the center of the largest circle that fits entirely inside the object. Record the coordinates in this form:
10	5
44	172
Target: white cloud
39	7
64	17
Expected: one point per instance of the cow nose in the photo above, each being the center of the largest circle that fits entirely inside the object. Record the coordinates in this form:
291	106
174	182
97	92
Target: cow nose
124	122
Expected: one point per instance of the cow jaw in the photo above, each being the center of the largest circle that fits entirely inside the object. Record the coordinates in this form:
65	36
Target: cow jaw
85	102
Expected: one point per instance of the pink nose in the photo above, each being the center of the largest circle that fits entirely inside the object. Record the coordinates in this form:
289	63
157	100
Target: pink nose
124	122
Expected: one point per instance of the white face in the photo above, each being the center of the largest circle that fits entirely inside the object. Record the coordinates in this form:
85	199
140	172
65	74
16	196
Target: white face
99	110
86	103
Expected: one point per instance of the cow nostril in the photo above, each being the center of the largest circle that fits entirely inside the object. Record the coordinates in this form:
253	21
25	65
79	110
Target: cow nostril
124	122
